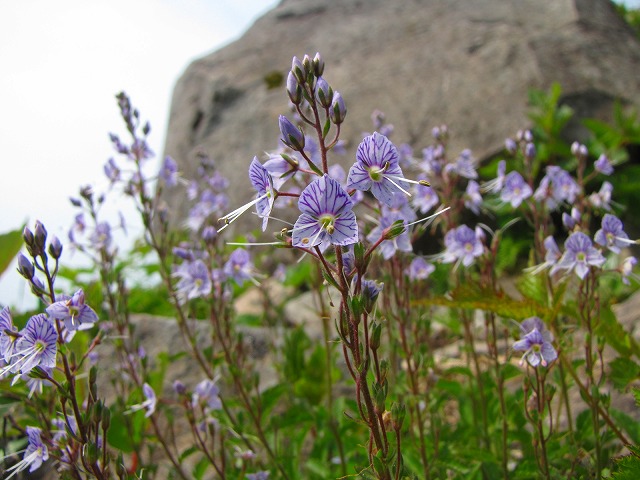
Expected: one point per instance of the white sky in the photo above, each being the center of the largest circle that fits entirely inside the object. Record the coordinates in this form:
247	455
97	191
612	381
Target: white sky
62	63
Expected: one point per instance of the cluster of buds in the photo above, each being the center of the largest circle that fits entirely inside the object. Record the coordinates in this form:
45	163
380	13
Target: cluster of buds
39	251
305	81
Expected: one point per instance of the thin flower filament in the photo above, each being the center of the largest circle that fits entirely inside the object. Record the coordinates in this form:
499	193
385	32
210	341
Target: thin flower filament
233	216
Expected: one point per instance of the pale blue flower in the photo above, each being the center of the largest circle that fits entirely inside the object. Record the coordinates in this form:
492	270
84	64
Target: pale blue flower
74	312
515	190
579	256
536	343
326	216
377	169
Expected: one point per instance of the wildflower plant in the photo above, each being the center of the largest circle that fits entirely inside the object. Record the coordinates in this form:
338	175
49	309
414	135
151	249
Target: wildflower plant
424	366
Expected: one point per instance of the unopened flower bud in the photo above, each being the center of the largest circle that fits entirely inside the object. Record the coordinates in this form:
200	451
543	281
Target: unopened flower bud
370	292
575	146
75	202
384	368
307	63
209	234
510	146
87	193
298	70
530	151
106	417
324	92
37	287
394	230
292	136
293	89
376	333
318	64
398	412
379	396
179	387
27	236
55	247
40	236
527	136
338	110
290	160
147	128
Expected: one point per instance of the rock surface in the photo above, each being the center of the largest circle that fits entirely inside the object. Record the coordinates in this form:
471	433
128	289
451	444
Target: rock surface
422	62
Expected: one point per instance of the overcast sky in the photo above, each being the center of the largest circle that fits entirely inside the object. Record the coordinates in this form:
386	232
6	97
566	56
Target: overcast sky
62	63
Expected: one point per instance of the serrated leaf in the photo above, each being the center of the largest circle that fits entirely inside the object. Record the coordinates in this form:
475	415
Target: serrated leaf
629	466
474	297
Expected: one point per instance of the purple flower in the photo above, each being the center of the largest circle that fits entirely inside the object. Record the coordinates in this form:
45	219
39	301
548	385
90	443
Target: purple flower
279	169
603	165
612	235
149	403
536	343
602	198
419	269
464	166
8	335
556	186
579	255
389	247
240	267
263	183
462	245
431	160
399	209
112	171
169	171
326	217
495	185
570	221
194	280
101	237
263	475
424	198
36	384
377	169
338	173
515	189
510	145
207	393
37	346
74	312
626	269
35	454
472	197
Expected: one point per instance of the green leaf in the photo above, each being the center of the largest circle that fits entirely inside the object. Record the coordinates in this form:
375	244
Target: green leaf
125	431
10	245
474	297
623	372
628	424
610	329
629	466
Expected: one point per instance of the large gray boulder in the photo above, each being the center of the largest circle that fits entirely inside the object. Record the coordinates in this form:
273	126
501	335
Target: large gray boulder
468	64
